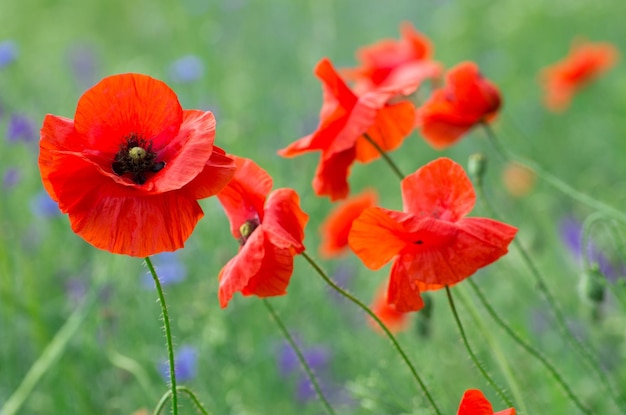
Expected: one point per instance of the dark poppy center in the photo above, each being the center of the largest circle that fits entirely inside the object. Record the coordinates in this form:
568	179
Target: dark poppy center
247	229
137	159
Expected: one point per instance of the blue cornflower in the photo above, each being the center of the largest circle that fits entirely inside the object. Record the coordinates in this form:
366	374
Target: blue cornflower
189	68
11	177
43	206
185	362
8	52
169	268
83	63
21	128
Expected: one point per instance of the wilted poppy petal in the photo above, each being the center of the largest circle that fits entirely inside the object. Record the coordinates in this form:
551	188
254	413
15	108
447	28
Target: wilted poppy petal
244	197
120	105
376	238
284	221
474	403
440	189
331	176
113	218
242	267
336	226
402	293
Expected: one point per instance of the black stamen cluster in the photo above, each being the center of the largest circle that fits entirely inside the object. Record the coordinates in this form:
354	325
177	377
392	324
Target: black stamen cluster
137	158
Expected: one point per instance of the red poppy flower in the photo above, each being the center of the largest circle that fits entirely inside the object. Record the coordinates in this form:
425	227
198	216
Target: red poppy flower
389	61
336	226
270	231
585	62
465	100
395	320
130	167
475	403
433	243
344	119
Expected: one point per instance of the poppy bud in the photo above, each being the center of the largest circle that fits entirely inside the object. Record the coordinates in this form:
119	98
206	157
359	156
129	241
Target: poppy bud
592	285
476	166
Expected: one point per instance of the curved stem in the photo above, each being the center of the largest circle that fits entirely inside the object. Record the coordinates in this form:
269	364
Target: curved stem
530	349
473	356
189	393
168	335
383	153
588	357
301	358
553	180
382	325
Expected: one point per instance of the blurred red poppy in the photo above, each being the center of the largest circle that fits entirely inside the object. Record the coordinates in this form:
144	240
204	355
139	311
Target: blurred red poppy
475	403
433	243
390	61
585	62
336	226
344	120
465	100
130	167
395	321
270	231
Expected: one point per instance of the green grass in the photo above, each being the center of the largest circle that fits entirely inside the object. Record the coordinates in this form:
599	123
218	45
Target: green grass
259	57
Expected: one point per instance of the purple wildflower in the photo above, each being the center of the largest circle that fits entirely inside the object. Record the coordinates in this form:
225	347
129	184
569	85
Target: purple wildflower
185	364
169	268
11	177
83	63
22	128
43	206
316	357
8	52
187	69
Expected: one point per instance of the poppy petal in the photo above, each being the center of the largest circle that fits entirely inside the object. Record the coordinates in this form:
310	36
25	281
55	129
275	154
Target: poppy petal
273	276
331	176
56	137
126	104
395	320
474	403
402	293
284	220
244	196
215	175
440	189
375	237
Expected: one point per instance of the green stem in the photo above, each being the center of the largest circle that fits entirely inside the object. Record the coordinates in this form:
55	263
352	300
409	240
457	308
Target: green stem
382	325
588	357
530	349
185	390
50	355
498	354
385	156
473	356
301	358
553	180
168	335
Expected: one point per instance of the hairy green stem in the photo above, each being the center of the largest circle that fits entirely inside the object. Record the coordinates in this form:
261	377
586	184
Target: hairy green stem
168	335
301	358
382	325
529	348
473	356
185	390
385	156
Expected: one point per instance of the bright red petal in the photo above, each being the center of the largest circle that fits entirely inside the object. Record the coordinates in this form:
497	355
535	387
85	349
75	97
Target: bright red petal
117	219
336	226
474	403
376	238
217	173
403	294
440	189
57	137
273	277
331	176
395	320
244	196
120	105
187	154
284	220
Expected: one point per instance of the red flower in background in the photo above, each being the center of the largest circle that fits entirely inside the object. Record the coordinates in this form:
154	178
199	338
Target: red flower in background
337	224
270	231
475	403
344	119
465	100
395	321
585	62
432	241
130	167
390	61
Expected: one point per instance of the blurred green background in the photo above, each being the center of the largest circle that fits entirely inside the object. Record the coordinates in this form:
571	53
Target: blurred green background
251	62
